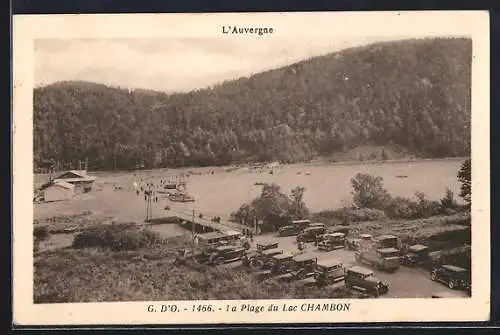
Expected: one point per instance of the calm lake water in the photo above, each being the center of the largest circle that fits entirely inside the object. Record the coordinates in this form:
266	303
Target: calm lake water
219	194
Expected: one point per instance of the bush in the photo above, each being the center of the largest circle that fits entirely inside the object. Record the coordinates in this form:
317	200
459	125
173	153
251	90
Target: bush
41	233
369	192
402	208
347	215
116	237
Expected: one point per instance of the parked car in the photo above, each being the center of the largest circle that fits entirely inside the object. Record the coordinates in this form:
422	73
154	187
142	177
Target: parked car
304	266
260	258
363	279
294	228
267	246
332	241
278	264
310	234
453	276
386	241
226	254
329	272
417	254
386	259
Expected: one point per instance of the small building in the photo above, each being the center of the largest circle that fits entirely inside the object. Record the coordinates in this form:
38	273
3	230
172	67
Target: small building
82	182
58	191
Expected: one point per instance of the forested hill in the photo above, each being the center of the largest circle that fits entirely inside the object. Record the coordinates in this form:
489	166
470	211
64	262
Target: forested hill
412	94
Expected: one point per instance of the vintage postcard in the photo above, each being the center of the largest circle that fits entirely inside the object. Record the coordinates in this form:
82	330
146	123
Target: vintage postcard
251	168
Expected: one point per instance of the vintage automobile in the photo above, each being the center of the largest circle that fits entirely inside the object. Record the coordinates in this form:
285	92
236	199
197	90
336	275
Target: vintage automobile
329	272
363	279
267	246
316	224
386	259
278	264
212	239
332	241
453	276
226	254
251	258
417	254
304	266
294	228
386	241
261	259
310	234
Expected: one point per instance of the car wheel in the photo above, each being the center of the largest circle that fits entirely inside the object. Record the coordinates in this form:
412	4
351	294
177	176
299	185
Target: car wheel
376	293
433	276
451	284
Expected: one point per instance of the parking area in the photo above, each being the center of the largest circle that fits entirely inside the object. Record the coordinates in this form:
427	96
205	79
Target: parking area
404	283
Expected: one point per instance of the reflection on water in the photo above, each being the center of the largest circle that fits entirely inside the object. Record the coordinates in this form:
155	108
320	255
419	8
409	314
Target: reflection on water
168	230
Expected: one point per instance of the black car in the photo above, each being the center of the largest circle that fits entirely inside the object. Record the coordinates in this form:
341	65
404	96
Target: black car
452	276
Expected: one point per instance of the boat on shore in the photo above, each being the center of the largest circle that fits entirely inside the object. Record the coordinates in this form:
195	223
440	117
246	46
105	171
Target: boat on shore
180	197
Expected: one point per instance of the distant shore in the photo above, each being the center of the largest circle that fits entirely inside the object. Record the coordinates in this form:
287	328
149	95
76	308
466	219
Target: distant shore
314	162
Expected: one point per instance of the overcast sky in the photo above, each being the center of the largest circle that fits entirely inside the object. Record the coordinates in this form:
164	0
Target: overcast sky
174	64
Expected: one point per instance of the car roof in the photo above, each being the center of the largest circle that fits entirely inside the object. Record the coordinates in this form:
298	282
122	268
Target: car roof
267	243
361	269
336	234
226	247
232	233
365	235
313	228
417	247
316	224
282	256
304	257
384	250
329	263
300	221
453	268
272	251
211	235
383	237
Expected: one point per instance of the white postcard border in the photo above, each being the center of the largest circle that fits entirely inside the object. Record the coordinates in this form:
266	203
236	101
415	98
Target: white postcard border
27	28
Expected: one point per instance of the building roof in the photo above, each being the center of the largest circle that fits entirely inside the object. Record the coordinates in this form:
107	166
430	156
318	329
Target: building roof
75	175
59	183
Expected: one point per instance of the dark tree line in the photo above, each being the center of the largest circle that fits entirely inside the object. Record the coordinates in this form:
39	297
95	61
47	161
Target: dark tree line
414	94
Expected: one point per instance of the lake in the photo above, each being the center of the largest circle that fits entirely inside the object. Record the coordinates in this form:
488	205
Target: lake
218	194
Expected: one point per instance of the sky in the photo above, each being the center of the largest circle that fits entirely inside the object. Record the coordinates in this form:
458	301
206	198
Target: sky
174	65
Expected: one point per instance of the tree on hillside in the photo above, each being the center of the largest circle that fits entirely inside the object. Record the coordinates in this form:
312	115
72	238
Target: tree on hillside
369	192
464	177
314	112
298	209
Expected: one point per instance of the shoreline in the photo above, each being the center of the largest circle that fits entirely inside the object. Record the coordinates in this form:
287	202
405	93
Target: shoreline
318	162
